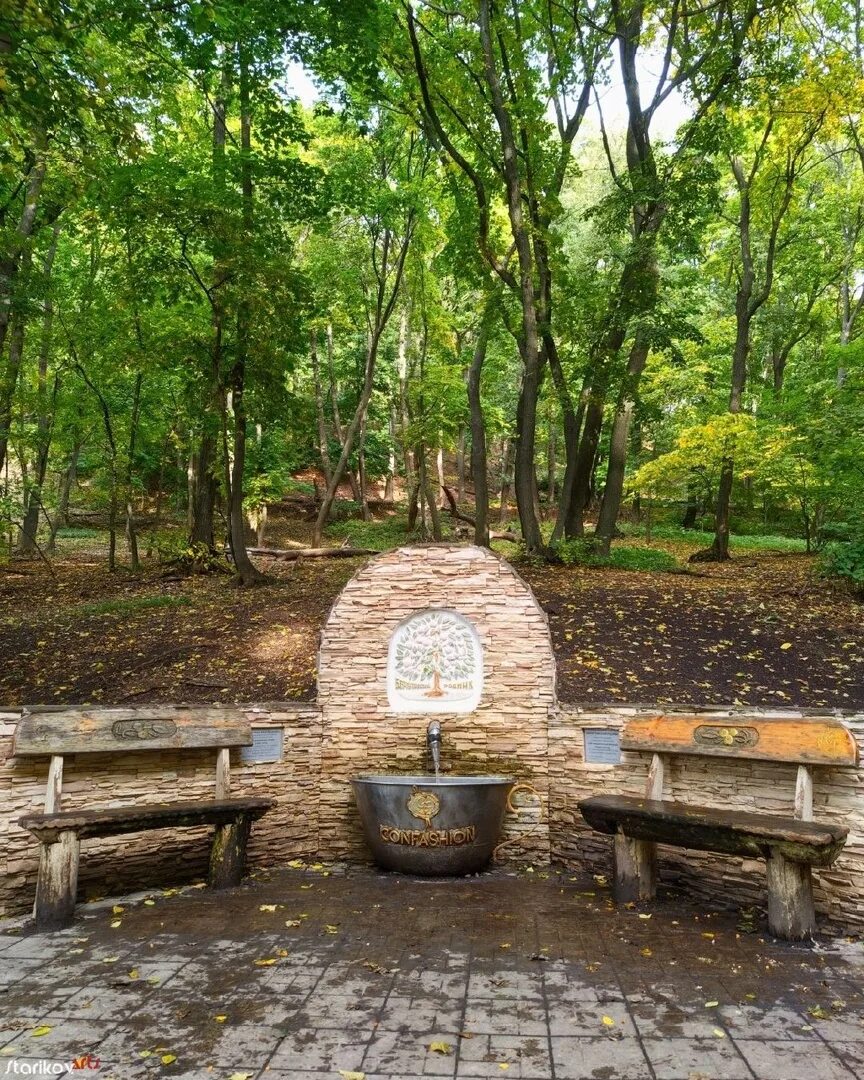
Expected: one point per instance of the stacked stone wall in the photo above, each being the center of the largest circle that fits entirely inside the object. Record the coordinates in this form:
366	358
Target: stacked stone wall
518	729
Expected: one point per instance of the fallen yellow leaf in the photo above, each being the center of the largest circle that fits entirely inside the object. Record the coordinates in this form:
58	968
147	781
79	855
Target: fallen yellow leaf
608	1021
267	907
38	1032
168	1059
440	1048
266	963
220	1019
346	1074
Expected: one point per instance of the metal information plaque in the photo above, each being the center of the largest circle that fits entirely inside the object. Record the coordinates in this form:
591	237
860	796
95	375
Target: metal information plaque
266	746
602	746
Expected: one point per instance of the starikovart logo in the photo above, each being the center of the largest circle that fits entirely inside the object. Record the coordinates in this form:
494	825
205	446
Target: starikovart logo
47	1067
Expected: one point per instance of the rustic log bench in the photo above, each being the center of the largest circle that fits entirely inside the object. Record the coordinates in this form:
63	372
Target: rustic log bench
790	845
55	734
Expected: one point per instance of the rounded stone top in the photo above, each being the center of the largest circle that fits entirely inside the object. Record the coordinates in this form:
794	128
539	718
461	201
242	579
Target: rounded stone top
440	628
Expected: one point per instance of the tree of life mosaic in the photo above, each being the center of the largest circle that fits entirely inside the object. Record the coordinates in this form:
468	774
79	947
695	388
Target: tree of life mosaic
435	664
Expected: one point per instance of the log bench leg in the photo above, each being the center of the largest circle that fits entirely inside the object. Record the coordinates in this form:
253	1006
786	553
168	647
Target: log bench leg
791	914
635	869
228	854
58	882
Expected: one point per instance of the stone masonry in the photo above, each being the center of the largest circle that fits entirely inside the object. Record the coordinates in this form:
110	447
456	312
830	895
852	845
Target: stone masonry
518	729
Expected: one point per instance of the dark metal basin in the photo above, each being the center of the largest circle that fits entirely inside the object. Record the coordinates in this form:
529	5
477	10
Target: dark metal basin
434	827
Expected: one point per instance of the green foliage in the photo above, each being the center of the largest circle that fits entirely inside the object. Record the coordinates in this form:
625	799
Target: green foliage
845	561
382	535
78	532
132	605
583	552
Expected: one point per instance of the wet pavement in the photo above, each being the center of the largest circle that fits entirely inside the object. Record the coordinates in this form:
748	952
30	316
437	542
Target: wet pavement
527	975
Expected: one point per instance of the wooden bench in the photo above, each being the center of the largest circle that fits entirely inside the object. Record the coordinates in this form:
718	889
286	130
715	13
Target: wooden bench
55	734
790	845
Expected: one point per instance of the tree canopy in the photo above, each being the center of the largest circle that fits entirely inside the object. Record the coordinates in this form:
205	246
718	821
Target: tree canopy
609	258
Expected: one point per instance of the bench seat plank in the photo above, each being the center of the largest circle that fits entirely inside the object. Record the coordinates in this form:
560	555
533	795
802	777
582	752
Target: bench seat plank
127	819
706	828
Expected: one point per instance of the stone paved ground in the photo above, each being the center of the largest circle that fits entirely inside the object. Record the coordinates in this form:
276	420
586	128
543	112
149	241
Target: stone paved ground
527	976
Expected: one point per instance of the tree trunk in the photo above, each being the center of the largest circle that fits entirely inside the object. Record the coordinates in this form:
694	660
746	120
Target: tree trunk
131	537
337	419
460	465
348	442
12	370
504	500
529	338
67	482
45	422
11	261
323	448
478	439
247	574
614	488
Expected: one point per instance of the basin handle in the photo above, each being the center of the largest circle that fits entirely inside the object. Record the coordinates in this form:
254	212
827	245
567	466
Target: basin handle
513	809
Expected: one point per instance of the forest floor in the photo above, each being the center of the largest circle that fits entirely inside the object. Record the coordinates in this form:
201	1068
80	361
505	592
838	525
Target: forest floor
760	630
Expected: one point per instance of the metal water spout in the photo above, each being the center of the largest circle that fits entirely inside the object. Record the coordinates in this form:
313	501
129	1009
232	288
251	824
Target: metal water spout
433	745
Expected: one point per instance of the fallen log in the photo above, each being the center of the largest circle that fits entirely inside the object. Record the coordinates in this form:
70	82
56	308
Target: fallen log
457	515
312	553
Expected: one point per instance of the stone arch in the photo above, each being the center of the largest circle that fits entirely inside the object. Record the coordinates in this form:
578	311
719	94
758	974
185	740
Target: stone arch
509	728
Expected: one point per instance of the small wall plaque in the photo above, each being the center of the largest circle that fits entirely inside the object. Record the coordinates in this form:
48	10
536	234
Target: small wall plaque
266	746
602	746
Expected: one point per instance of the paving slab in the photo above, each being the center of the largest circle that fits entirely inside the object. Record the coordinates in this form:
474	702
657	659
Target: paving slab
523	976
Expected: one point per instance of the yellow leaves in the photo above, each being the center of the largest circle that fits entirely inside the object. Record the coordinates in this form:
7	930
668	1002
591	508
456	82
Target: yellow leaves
115	923
241	1076
220	1018
168	1059
817	1012
711	1004
38	1032
297	864
133	974
292	922
267	907
440	1048
118	909
347	1074
786	645
645	952
110	959
267	962
329	929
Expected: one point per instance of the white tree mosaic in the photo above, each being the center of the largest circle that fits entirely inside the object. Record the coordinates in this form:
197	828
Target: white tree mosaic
435	662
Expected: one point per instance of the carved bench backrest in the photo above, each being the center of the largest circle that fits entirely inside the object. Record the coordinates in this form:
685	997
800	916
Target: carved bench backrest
805	741
55	733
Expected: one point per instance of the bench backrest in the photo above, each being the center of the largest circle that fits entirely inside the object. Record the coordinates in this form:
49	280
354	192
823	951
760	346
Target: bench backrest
805	742
54	733
44	732
801	741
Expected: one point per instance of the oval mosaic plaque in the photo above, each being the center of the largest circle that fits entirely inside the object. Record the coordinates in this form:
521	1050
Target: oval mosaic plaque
435	664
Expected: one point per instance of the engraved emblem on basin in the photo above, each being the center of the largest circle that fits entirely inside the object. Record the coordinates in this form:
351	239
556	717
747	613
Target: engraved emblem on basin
127	730
725	737
424	805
